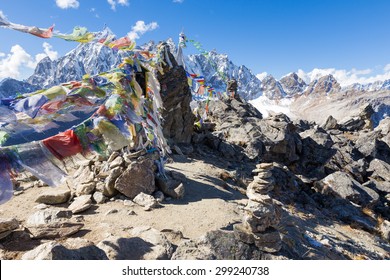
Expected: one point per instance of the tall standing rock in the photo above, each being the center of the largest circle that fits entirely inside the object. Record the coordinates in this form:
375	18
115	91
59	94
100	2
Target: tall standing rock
178	118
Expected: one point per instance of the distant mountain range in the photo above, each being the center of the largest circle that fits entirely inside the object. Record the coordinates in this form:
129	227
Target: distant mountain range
291	90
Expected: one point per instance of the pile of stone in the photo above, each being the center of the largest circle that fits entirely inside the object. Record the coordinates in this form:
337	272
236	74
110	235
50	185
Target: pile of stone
262	215
130	176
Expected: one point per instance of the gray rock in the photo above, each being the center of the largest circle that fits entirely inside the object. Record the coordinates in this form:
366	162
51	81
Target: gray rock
152	246
265	174
384	229
99	197
109	187
357	169
361	121
281	141
146	201
80	204
268	241
344	186
380	170
54	196
85	189
238	125
112	157
7	224
163	248
257	191
137	178
52	223
118	161
259	216
244	234
170	186
41	206
46	216
55	230
319	136
370	145
192	250
379	186
224	245
130	157
331	123
178	119
128	202
264	165
228	151
353	124
111	211
84	180
73	249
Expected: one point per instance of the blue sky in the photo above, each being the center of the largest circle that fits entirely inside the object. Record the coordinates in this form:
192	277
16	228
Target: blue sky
348	38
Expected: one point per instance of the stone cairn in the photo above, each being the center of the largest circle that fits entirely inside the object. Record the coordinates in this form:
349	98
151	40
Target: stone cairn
261	215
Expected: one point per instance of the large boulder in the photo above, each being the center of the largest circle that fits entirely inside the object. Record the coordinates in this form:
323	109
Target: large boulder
362	121
342	185
330	123
371	146
316	152
271	139
237	123
145	244
178	119
384	129
7	226
54	196
137	178
72	249
225	245
52	223
282	142
380	170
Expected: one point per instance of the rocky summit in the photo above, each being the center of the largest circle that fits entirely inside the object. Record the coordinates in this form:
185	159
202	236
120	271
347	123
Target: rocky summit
236	185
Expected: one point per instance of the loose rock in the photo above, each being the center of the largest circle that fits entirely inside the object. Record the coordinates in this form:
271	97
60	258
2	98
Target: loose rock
80	204
54	196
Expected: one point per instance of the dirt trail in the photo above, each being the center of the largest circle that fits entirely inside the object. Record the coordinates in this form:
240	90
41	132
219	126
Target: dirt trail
209	204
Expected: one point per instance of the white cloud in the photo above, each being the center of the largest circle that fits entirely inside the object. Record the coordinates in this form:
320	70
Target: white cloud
141	28
66	4
177	1
387	68
19	62
346	77
49	51
113	3
262	75
11	63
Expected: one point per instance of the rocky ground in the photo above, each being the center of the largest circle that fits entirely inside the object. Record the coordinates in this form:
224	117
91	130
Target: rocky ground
318	194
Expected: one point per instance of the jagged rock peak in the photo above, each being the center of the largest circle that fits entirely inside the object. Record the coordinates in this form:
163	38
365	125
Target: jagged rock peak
272	88
217	68
326	84
292	84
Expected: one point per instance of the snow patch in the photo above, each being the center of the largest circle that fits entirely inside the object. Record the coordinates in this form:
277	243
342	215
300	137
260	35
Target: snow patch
267	106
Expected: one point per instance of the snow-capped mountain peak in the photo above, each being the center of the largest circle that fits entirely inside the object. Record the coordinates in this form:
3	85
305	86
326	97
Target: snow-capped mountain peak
217	69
